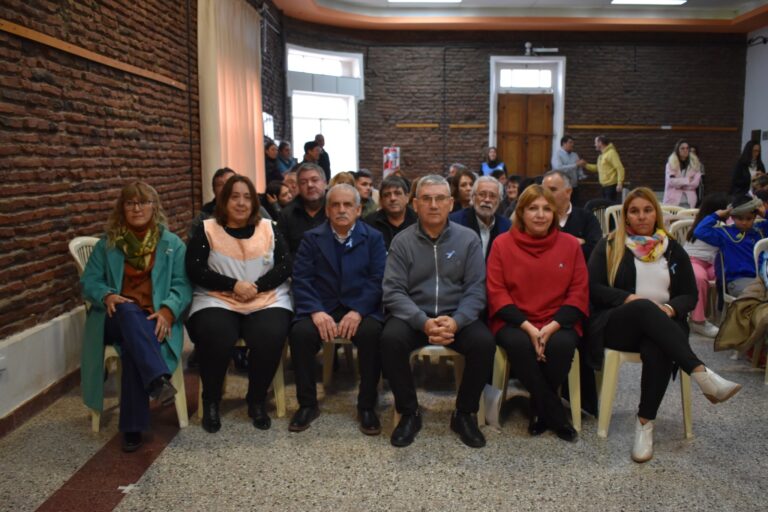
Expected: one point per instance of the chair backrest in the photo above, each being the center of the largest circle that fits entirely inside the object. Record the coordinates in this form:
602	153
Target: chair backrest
760	247
679	230
670	209
612	215
597	207
81	248
688	212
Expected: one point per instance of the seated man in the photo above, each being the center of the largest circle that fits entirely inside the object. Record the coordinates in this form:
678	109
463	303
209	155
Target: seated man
575	221
336	286
364	185
481	217
395	214
434	292
307	210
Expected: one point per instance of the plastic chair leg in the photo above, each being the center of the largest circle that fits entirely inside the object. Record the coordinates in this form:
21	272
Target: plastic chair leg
685	393
574	391
608	391
95	420
328	350
180	400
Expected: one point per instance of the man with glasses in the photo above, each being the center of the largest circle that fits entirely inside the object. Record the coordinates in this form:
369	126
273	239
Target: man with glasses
481	216
307	211
395	215
434	292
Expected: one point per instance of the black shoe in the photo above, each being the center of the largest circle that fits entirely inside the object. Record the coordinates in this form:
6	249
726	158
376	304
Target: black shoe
465	424
211	419
303	418
258	412
566	433
192	362
537	426
162	390
132	441
406	430
369	422
240	357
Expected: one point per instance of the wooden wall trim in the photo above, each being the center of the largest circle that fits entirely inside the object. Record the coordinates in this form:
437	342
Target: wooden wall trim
39	37
651	127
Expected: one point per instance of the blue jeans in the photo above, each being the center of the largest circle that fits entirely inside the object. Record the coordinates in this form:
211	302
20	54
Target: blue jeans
141	359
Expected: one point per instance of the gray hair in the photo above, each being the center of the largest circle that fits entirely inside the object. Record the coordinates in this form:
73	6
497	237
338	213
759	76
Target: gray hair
487	179
432	179
343	187
459	167
309	166
564	176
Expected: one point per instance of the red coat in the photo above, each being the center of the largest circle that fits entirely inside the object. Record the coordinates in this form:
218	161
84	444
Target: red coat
538	275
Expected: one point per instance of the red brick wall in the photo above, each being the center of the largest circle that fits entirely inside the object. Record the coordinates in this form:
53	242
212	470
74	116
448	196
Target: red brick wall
611	78
73	131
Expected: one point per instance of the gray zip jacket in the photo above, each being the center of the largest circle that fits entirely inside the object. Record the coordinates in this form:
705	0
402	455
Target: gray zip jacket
425	279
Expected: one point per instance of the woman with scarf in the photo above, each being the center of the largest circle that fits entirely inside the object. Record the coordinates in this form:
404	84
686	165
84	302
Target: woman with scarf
642	288
682	176
537	299
137	287
490	163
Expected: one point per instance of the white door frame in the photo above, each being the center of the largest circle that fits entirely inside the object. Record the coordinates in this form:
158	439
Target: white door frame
558	90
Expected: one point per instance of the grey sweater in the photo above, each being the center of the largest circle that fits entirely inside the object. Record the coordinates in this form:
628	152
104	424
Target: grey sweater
425	279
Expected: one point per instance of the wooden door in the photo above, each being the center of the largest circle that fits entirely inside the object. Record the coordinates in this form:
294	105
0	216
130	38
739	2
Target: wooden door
524	129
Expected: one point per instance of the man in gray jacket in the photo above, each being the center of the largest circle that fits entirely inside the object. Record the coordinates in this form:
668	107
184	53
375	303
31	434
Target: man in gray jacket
434	293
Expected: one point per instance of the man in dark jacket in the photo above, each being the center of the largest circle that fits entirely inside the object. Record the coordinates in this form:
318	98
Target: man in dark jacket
307	211
336	287
575	221
395	215
481	217
434	292
323	160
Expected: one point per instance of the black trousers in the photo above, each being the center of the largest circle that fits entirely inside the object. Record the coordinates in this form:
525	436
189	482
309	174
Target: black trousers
474	342
305	343
611	193
216	330
641	326
541	379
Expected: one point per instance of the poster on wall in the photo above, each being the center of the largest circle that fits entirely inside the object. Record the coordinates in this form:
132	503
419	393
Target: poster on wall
391	160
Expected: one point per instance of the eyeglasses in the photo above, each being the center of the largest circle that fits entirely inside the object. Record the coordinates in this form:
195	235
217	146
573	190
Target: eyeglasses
430	199
131	204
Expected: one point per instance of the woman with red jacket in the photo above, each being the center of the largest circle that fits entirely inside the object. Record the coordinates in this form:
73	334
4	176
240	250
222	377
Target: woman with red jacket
538	294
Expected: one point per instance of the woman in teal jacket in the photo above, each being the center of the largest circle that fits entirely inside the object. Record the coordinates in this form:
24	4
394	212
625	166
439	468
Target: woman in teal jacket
138	290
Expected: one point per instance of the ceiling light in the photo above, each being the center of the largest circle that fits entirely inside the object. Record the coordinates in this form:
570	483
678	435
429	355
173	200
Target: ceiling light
648	2
424	1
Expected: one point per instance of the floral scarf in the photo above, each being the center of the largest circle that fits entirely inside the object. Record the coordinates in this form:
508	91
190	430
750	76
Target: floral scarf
647	248
138	253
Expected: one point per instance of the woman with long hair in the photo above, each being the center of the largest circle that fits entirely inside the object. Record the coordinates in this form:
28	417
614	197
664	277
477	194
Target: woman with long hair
642	288
748	165
682	176
461	187
138	291
490	162
703	257
538	296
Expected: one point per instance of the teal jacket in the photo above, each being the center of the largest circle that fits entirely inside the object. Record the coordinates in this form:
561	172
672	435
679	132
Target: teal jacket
104	274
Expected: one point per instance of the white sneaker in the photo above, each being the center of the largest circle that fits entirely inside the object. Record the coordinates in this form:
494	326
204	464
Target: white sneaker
642	450
705	329
714	387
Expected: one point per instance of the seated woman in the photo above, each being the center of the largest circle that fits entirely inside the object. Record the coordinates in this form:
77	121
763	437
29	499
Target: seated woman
138	290
240	267
490	164
703	256
736	242
682	176
461	189
642	288
537	297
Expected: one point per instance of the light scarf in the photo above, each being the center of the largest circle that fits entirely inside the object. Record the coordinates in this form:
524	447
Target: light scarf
647	248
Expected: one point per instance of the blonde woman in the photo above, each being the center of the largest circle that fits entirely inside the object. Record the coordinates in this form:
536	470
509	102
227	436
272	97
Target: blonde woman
138	289
682	176
642	288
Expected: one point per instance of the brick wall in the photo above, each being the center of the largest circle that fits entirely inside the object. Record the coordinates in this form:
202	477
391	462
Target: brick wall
273	67
72	132
611	78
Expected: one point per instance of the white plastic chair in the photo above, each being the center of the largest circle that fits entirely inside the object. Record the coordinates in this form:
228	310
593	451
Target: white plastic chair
329	349
81	248
687	212
610	379
679	230
612	213
434	353
669	209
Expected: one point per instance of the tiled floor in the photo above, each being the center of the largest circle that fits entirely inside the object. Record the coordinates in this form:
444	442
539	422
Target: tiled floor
332	466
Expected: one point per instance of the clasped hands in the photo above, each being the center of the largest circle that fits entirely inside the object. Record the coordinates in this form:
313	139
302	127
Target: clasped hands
540	337
330	330
245	291
440	330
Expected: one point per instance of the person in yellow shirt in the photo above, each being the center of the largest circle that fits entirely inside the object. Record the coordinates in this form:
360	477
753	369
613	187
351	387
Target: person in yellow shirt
610	171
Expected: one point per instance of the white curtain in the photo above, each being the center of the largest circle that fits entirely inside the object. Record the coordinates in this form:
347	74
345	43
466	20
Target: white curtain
229	67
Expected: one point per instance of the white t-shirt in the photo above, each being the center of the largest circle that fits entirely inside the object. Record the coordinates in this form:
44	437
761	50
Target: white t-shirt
653	280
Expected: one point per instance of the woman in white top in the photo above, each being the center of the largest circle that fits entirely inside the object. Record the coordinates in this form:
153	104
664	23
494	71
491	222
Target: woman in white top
642	288
703	257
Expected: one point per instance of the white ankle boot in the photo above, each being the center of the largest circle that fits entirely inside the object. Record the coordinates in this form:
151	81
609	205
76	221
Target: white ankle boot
642	450
714	387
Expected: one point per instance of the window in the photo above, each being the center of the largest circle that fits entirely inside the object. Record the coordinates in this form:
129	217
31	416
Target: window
317	63
334	116
524	78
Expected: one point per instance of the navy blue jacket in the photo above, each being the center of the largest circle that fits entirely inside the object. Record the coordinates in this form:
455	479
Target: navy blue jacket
320	285
468	218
